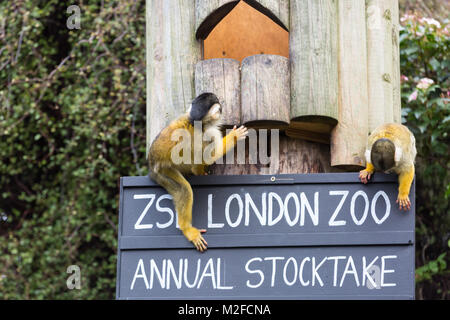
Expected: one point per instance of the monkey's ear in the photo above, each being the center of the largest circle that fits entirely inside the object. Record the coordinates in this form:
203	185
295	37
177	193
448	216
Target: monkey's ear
398	154
368	156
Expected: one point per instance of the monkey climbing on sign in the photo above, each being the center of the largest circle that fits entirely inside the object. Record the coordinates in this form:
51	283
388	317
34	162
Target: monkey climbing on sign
202	118
392	148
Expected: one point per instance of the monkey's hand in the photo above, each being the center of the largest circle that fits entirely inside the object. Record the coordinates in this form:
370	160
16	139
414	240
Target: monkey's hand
364	176
405	179
239	133
403	202
195	236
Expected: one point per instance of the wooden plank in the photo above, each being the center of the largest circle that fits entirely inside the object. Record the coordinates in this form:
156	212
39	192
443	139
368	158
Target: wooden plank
265	91
388	70
209	13
172	52
380	62
222	77
396	86
312	128
348	139
295	156
310	135
314	56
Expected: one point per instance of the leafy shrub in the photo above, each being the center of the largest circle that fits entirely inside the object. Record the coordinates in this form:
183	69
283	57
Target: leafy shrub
72	121
425	65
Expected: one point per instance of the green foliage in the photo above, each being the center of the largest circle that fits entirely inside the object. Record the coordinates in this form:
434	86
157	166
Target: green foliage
425	67
72	121
427	271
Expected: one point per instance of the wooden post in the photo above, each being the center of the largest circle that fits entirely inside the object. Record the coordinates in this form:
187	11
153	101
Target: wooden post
314	68
172	52
265	91
348	139
396	86
383	62
222	77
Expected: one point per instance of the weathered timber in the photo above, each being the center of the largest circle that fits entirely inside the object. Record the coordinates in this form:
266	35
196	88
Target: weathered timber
222	77
295	156
348	139
397	101
314	67
265	92
382	62
172	52
312	128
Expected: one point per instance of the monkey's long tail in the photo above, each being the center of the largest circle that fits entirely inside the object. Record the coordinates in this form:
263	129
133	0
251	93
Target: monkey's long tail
180	189
164	181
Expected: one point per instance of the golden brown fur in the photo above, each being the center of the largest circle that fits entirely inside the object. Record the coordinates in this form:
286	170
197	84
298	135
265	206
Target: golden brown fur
403	157
171	175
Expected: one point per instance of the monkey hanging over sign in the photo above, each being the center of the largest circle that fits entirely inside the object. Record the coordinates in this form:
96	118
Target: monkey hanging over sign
392	148
202	119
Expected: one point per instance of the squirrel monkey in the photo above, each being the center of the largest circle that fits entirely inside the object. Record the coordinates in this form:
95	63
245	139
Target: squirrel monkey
392	148
202	118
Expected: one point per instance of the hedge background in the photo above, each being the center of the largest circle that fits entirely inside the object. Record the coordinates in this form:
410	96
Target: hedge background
72	121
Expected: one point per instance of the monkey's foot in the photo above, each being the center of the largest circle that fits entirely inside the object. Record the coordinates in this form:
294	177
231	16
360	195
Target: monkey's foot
199	171
364	176
403	202
195	236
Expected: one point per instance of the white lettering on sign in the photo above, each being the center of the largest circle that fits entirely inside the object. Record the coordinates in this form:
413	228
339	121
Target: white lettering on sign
138	225
350	269
240	212
164	209
294	271
210	217
374	202
291	222
372	283
272	196
335	268
384	271
140	274
261	215
270	209
366	207
295	268
259	272
333	222
310	271
178	273
302	264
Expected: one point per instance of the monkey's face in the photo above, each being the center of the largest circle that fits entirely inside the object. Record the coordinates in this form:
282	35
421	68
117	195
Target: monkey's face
213	114
205	108
383	155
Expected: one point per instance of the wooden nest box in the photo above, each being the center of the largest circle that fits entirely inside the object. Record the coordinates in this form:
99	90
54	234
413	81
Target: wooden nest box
324	72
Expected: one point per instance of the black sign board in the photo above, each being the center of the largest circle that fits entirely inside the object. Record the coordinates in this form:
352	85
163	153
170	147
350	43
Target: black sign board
314	236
